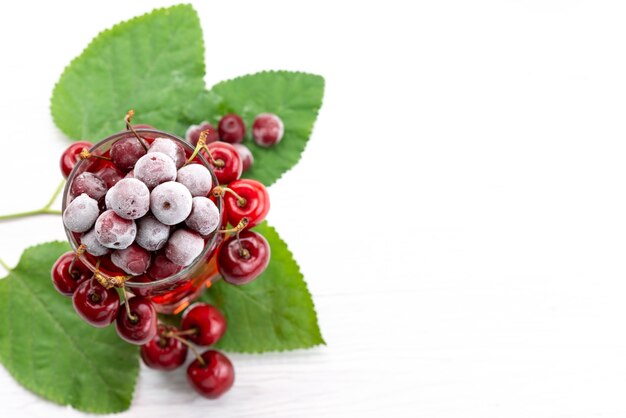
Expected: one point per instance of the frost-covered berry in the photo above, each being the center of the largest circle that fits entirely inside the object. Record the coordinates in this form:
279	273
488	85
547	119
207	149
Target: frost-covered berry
126	151
113	231
129	198
247	159
204	217
81	213
90	184
169	148
133	260
152	234
197	178
183	247
231	128
94	247
170	202
155	168
267	129
162	267
194	131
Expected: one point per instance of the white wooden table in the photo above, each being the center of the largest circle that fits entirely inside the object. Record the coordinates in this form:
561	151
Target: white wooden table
465	242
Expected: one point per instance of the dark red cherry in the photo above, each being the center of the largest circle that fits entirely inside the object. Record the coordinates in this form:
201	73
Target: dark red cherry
231	129
110	174
126	151
254	203
95	304
163	352
228	166
213	378
206	320
70	156
194	131
141	326
241	261
66	281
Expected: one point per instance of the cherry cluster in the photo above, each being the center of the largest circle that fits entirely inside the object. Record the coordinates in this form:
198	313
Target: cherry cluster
144	211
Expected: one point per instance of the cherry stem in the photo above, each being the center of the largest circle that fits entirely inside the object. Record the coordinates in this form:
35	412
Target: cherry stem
199	146
46	210
5	265
221	191
238	228
191	331
133	318
127	119
188	344
79	251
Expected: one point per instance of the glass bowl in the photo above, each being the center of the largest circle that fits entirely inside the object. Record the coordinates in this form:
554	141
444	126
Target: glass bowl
170	294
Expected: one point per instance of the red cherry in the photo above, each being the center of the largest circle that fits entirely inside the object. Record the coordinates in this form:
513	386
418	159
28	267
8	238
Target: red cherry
194	131
247	159
229	166
141	326
110	174
254	205
241	261
231	128
162	267
95	304
70	156
66	281
267	129
208	322
164	353
213	378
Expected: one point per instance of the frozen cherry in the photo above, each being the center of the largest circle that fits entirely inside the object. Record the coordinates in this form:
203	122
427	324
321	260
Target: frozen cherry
194	131
141	325
113	231
70	156
66	277
183	247
197	178
242	260
162	268
247	159
89	184
267	129
129	198
227	164
155	168
110	174
207	321
152	234
95	304
231	128
213	376
81	213
204	217
126	152
170	202
163	352
251	201
133	260
169	148
93	246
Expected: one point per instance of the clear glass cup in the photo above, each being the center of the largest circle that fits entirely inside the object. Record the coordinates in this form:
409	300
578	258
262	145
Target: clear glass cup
171	294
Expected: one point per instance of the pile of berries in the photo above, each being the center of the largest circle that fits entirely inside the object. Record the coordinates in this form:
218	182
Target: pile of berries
147	209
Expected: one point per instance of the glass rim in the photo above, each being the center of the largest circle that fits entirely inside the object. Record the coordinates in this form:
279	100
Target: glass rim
208	244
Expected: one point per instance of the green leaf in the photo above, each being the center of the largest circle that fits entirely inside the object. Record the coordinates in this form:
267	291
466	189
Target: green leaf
153	64
47	348
273	313
295	97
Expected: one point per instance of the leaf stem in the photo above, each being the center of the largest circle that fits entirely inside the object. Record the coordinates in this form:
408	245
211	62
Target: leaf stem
5	265
43	211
